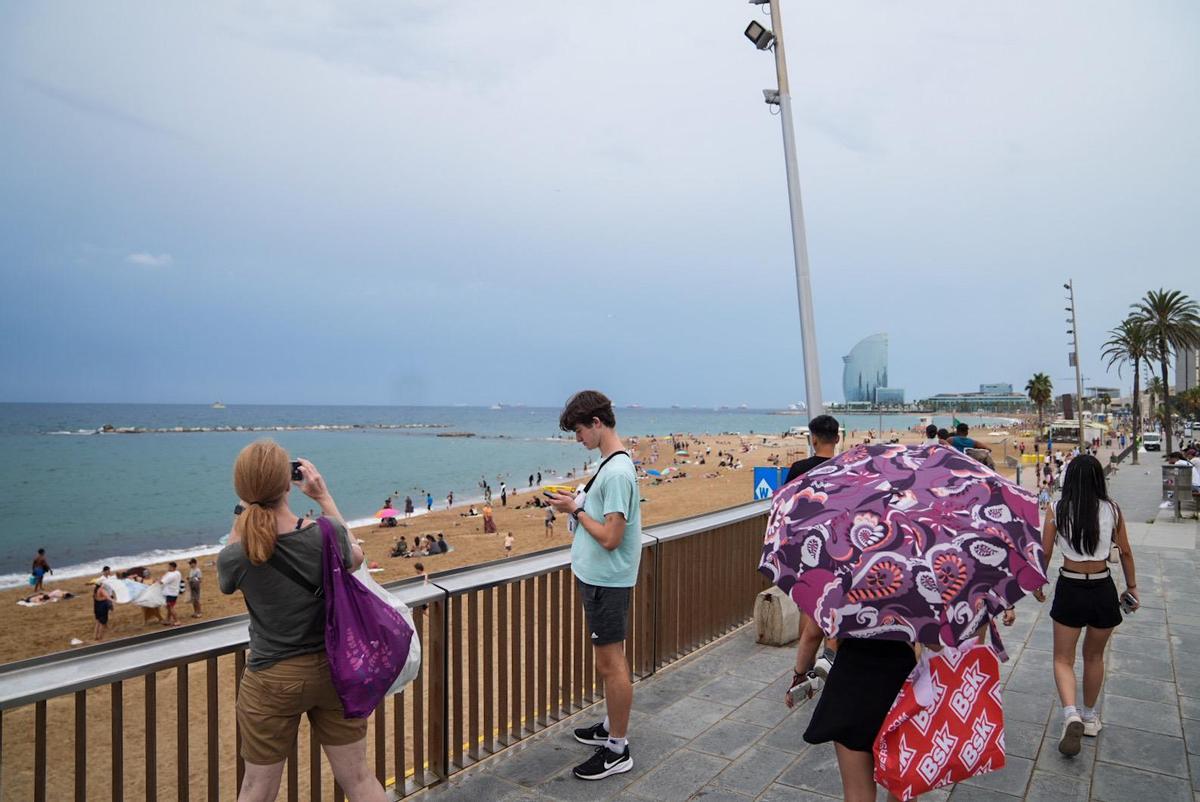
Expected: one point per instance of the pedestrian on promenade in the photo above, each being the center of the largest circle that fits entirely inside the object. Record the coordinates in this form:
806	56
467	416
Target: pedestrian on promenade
824	430
605	555
193	583
171	581
1086	526
41	567
275	558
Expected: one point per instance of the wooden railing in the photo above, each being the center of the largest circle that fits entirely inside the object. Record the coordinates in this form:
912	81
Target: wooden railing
505	654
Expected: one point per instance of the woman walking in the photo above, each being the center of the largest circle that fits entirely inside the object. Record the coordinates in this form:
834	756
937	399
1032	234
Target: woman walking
275	558
1085	525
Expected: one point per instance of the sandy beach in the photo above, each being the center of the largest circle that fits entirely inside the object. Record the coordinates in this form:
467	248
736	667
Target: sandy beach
704	488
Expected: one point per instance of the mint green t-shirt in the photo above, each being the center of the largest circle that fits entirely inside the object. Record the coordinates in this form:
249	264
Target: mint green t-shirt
615	490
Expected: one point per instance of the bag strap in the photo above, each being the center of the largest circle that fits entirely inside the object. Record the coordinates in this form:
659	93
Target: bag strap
596	475
276	562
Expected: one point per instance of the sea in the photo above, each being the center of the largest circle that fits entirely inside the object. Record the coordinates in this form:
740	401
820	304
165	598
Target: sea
132	484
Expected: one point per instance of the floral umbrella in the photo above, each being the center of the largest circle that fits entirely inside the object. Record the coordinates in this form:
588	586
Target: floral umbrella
915	543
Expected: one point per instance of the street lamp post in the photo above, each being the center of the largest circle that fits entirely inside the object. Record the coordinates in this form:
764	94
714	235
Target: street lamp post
1074	332
782	97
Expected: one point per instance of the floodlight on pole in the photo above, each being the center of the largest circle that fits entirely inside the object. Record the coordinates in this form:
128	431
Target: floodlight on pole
773	39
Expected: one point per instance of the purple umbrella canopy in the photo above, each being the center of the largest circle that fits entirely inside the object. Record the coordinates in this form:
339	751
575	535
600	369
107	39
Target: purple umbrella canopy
915	543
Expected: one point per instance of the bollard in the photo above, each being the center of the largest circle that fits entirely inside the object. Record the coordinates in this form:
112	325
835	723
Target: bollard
776	618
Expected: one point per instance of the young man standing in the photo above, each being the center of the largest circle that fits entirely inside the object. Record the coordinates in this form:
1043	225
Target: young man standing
824	430
605	554
193	583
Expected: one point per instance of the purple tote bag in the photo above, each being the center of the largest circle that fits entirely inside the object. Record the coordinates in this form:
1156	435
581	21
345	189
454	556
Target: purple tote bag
365	639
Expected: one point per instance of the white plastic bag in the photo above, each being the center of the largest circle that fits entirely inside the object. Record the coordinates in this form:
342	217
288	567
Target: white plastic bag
412	666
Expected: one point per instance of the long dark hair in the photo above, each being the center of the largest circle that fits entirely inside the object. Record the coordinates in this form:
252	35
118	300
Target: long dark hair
1077	514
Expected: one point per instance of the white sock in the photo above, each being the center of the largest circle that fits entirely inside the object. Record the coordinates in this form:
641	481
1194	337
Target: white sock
606	724
1088	713
1069	710
617	745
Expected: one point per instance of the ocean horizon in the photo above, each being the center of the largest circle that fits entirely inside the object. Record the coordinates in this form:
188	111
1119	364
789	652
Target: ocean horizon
133	484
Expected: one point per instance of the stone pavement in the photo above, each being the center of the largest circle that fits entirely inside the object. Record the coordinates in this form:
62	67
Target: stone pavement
713	726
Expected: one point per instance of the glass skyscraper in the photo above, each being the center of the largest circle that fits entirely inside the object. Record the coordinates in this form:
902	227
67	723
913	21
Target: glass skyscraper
865	369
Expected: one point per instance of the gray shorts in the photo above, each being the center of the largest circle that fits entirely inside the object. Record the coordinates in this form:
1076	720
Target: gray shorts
606	611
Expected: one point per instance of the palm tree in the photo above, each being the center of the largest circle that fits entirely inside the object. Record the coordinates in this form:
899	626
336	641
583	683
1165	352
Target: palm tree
1173	320
1105	399
1040	390
1129	344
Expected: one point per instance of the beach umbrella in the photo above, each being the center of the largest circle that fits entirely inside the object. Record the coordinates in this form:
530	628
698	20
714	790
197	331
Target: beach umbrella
387	512
915	543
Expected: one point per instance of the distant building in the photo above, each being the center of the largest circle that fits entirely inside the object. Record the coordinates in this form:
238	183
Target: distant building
999	388
865	369
889	396
1187	369
968	402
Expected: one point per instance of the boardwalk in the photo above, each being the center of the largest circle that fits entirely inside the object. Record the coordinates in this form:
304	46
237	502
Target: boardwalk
713	726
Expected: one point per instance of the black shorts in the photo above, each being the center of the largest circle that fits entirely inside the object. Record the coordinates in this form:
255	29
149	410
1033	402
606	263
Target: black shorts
1082	603
606	611
866	677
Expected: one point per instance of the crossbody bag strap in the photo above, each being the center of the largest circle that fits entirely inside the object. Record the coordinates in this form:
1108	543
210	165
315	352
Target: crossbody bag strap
276	562
595	475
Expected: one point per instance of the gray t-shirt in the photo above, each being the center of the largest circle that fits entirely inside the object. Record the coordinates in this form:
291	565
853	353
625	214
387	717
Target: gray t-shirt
286	620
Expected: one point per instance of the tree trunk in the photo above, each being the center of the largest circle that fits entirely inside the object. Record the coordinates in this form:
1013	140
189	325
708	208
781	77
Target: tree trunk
1137	409
1166	419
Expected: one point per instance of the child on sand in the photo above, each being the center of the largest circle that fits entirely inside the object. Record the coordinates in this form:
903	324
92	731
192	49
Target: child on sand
508	544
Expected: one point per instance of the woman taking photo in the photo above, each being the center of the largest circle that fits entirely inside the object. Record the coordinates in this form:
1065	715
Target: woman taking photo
1085	526
274	558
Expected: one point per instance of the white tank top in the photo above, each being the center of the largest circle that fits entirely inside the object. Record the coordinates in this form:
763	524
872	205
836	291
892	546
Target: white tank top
1108	523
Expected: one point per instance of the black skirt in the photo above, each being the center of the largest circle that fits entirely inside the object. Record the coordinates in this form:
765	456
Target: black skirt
865	679
1082	603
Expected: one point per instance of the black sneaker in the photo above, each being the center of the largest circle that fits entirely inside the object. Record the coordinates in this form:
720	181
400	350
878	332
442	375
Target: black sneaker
604	763
594	735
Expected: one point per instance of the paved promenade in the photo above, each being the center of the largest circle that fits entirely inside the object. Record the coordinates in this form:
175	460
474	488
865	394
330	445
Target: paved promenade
713	727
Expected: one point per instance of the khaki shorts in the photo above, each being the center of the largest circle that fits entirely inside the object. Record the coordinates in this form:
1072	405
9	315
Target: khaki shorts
270	701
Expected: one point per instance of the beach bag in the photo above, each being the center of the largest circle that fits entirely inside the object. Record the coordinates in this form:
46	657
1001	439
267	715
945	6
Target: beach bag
946	725
412	666
366	639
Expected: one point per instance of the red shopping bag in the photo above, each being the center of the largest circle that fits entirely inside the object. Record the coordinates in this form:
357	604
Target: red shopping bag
947	723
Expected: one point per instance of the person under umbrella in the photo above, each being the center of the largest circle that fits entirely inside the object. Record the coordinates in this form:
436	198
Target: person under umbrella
886	547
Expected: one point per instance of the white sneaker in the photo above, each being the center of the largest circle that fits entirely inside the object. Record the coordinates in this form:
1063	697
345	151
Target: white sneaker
1092	727
1072	731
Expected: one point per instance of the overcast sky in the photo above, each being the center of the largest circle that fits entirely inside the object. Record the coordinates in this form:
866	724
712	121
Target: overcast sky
470	202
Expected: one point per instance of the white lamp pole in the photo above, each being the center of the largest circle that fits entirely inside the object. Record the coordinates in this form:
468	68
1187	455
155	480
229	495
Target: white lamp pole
808	329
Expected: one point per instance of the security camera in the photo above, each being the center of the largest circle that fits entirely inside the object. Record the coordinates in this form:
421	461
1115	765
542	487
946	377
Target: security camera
771	96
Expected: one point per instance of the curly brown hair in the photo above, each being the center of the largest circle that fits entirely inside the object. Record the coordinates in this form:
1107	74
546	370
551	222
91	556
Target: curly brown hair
583	407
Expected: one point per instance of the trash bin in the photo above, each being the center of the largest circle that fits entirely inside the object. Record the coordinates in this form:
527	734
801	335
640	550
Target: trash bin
1177	488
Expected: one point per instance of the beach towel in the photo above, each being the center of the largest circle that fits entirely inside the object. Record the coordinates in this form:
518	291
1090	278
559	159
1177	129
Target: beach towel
151	596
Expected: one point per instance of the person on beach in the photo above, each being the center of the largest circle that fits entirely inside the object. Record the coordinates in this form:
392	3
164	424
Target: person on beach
171	581
605	554
489	523
503	495
508	544
408	506
1086	526
442	546
429	502
549	521
274	558
193	583
41	567
102	605
401	548
450	499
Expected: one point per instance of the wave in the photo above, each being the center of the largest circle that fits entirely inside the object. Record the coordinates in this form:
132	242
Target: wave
315	427
92	567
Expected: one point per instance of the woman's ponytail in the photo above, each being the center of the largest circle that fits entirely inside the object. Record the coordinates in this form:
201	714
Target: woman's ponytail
261	477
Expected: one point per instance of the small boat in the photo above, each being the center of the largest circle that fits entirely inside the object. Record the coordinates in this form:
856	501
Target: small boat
218	405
